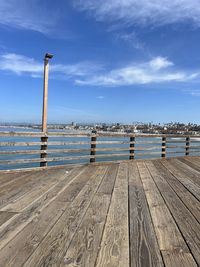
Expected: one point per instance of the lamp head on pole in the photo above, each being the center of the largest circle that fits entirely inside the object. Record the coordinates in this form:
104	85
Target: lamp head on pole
47	57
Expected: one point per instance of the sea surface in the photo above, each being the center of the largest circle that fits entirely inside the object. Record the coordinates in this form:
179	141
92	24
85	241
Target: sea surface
4	166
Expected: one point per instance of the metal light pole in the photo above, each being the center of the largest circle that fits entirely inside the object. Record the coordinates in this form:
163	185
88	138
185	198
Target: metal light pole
44	139
45	91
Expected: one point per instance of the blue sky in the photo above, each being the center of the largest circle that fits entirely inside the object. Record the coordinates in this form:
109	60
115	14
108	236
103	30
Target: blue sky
114	61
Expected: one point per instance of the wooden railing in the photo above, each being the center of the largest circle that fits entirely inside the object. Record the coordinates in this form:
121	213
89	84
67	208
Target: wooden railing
34	149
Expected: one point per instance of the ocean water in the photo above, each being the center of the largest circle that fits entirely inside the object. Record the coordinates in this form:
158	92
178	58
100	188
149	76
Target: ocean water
170	151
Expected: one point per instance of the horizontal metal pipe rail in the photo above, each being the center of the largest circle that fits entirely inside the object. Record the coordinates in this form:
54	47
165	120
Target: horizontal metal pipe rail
84	147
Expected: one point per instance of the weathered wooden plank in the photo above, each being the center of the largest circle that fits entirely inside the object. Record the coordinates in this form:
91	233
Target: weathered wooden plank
66	143
144	250
32	234
24	185
24	134
148	142
112	149
19	221
42	134
44	185
109	180
85	245
21	161
190	163
51	250
194	161
5	144
186	222
184	179
88	134
139	148
149	153
111	155
188	199
19	152
167	232
25	242
70	192
175	259
185	169
43	159
114	249
5	216
112	142
9	178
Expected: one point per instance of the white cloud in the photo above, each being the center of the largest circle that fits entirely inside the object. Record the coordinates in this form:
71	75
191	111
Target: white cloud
31	15
78	69
160	63
155	71
143	12
20	64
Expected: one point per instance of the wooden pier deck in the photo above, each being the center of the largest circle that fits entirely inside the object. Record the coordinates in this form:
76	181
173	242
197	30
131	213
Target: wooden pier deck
136	213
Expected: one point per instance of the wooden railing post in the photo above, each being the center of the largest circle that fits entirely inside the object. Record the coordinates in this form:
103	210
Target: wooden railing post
163	153
187	147
132	147
44	147
93	146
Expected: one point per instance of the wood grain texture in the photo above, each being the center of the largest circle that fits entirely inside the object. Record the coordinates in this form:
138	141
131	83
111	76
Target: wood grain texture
174	259
188	225
135	213
114	249
167	232
24	188
144	250
85	245
185	169
5	216
51	250
183	178
19	221
189	199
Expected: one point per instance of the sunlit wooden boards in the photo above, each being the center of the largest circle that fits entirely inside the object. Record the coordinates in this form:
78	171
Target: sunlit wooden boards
135	213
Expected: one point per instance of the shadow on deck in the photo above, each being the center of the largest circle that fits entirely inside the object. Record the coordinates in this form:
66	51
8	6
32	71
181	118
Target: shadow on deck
136	213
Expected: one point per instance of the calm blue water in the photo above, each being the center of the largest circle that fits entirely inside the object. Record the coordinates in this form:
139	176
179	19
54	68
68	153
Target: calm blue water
86	146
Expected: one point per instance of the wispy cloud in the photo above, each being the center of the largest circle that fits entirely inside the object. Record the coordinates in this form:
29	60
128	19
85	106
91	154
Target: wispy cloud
143	12
20	64
100	97
130	38
77	69
156	70
31	15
